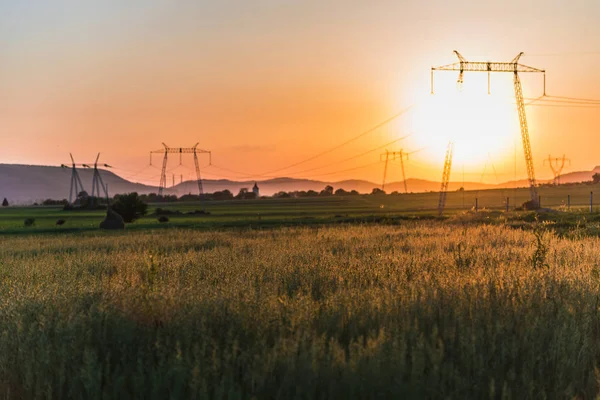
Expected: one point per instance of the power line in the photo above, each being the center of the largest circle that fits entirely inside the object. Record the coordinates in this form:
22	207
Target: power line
564	105
583	103
321	166
353	157
580	99
372	129
566	54
350	169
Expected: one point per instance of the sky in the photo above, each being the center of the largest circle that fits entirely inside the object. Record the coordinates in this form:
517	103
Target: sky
267	84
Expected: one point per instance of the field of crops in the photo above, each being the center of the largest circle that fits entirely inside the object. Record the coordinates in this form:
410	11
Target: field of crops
420	309
271	212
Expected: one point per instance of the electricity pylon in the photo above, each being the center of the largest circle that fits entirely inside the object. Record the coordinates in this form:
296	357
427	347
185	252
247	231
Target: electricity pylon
76	185
97	182
445	178
514	67
181	150
556	165
393	156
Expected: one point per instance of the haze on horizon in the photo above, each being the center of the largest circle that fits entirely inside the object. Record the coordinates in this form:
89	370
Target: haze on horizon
268	83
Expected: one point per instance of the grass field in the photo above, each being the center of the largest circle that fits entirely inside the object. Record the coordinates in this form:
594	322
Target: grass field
419	310
321	210
389	303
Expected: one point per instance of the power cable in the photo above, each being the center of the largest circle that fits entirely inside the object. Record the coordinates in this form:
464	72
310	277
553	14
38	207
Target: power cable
582	99
353	157
372	129
350	169
293	174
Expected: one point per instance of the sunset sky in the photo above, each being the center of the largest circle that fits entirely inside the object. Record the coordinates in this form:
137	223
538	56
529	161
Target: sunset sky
265	84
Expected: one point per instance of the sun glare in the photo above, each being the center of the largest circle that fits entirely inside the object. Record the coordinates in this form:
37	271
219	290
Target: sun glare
480	125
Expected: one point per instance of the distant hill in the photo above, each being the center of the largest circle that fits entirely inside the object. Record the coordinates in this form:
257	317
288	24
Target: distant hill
579	176
29	183
25	184
271	186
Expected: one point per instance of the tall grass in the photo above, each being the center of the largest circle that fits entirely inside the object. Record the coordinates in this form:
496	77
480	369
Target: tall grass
421	310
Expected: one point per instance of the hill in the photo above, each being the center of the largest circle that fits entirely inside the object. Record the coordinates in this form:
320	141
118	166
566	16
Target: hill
25	184
579	176
29	183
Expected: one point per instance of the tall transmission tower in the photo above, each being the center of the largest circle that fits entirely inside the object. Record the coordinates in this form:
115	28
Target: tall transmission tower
76	185
393	156
97	182
513	67
180	150
556	165
445	178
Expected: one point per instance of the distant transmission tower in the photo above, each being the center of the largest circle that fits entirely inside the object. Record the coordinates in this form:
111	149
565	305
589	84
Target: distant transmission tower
556	165
180	150
445	178
76	185
392	156
514	67
97	182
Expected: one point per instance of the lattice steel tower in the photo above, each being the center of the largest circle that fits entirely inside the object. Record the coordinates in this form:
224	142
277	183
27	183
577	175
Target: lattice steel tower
97	182
76	185
556	165
513	67
445	178
180	150
392	156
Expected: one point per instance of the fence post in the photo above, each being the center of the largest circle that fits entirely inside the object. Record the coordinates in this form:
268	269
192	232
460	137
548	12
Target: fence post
507	200
591	202
476	204
569	202
540	201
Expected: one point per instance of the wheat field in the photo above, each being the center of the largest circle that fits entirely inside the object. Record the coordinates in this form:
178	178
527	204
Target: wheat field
419	310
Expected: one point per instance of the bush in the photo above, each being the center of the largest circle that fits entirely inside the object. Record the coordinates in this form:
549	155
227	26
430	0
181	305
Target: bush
29	222
130	207
163	219
530	205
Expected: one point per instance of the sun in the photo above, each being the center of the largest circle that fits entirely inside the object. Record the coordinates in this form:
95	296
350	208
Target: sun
481	125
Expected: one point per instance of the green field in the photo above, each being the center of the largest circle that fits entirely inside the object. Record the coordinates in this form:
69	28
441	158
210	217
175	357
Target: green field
277	212
356	297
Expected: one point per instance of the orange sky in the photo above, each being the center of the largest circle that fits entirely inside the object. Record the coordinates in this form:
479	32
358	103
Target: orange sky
266	84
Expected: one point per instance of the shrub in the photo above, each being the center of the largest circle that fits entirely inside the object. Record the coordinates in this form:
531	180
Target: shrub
130	207
163	219
29	222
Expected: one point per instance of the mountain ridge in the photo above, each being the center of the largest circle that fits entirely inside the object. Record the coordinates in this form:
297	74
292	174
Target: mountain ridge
25	184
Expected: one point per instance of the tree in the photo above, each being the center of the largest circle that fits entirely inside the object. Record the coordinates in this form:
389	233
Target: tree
282	195
340	192
377	191
596	178
130	206
328	191
5	203
242	193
